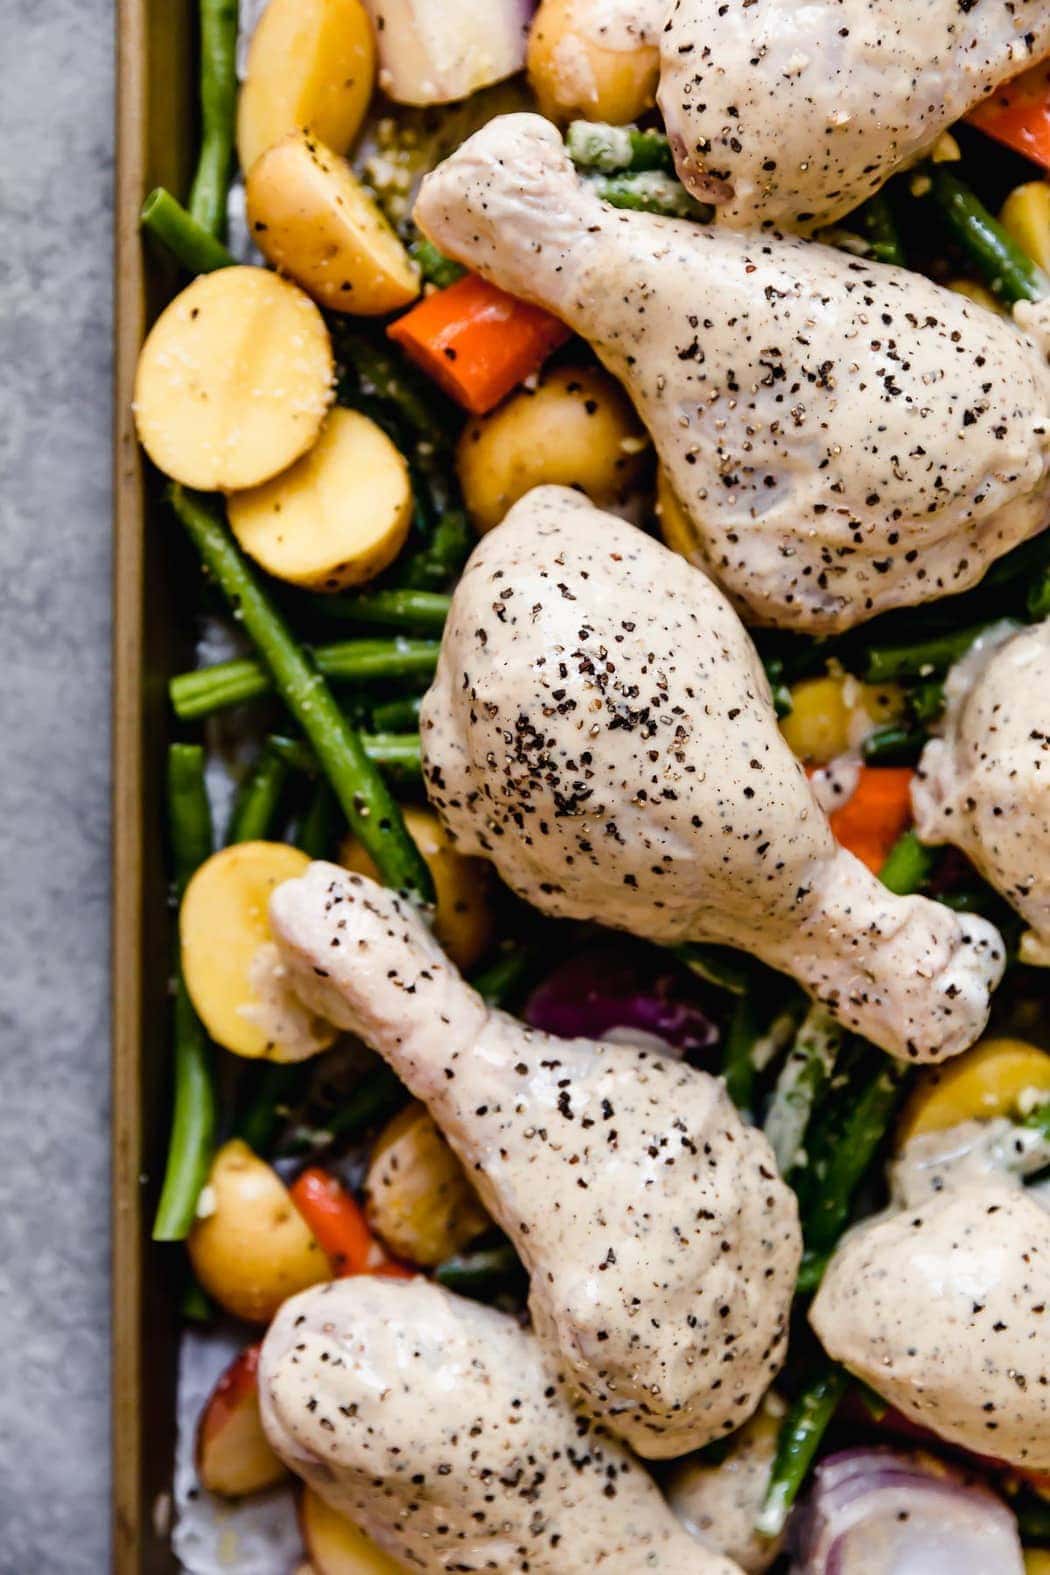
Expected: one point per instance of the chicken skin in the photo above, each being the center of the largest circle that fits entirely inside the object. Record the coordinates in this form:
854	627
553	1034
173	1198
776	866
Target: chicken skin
792	112
662	1247
984	785
434	1424
601	728
844	437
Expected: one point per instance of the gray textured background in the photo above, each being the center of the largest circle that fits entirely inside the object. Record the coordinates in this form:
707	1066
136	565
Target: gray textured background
55	188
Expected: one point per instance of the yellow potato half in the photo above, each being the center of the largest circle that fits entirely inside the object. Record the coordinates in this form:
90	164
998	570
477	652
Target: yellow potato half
676	529
996	1078
417	1195
577	428
311	66
1026	217
335	1545
313	219
574	73
230	963
337	517
251	1248
234	380
463	918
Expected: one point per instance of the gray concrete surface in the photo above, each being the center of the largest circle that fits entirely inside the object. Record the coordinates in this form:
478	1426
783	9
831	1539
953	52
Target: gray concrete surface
55	186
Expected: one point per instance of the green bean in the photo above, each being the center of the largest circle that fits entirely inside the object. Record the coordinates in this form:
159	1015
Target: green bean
1039	1119
500	981
717	965
738	1066
1033	1517
1037	601
256	805
800	1436
364	796
440	561
651	191
218	96
927	700
397	716
316	831
879	228
421	611
386	376
398	753
593	145
483	1274
195	1306
894	745
435	267
378	1095
1008	271
189	243
276	1087
194	1106
207	689
908	865
920	658
803	1078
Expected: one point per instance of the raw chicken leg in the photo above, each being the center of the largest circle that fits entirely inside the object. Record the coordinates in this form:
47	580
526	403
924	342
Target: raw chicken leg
791	112
434	1424
845	437
662	1247
601	728
985	785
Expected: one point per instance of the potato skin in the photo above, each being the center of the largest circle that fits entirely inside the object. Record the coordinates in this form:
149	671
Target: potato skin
463	920
336	518
417	1196
996	1077
234	380
311	64
313	220
576	429
232	1455
253	1249
574	74
335	1545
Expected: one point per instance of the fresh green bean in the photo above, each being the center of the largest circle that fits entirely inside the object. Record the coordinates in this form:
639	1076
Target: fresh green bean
482	1275
800	1436
435	267
276	1088
358	784
738	1066
194	1106
717	965
500	981
879	228
316	831
651	191
1037	601
218	96
611	150
1039	1119
378	1095
927	700
803	1078
195	1306
189	243
207	689
420	611
398	753
908	865
385	376
920	658
256	805
894	745
440	561
397	716
1008	271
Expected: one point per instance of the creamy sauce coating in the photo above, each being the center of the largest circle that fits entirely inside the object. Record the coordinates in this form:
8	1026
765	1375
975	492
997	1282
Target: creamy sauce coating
661	1245
845	437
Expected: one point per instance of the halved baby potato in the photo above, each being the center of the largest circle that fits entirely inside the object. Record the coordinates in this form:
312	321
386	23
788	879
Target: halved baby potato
418	1197
233	1454
250	1247
313	219
230	963
337	517
335	1545
999	1077
1026	217
234	380
576	70
577	428
463	916
311	65
675	526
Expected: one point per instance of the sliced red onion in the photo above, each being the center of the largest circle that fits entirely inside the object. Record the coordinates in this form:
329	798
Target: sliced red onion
438	51
876	1512
608	993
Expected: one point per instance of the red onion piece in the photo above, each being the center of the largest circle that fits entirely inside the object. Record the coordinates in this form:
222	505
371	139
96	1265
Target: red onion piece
610	992
876	1512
